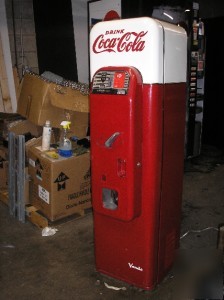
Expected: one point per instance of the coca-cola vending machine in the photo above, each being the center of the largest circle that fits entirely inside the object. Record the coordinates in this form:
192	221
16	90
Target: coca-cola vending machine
137	124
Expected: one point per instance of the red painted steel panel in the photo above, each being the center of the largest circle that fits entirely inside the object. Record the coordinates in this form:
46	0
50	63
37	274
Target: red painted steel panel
137	243
172	175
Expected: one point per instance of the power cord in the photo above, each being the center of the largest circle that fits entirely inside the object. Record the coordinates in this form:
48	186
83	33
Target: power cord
197	231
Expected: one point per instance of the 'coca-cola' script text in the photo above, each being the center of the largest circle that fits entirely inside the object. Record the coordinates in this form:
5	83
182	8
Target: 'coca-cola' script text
129	41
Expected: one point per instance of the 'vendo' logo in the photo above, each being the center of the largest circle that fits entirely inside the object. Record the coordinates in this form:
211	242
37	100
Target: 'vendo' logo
132	266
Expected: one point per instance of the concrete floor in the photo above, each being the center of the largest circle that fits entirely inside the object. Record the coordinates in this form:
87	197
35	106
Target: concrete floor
62	266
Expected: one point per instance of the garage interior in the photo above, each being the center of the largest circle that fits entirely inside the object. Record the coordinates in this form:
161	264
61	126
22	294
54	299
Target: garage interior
45	37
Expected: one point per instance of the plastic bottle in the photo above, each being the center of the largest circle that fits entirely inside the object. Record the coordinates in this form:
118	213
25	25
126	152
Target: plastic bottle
46	136
65	145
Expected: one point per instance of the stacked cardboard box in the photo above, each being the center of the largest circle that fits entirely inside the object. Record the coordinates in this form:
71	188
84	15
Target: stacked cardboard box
8	120
3	167
41	100
31	132
58	187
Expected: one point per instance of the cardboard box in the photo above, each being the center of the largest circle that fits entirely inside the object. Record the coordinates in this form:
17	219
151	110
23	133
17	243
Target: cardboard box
3	167
3	153
23	127
79	124
26	127
34	103
65	97
4	174
8	120
4	177
40	101
59	187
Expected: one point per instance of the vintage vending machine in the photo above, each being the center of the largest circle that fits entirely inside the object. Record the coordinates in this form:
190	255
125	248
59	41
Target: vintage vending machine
137	124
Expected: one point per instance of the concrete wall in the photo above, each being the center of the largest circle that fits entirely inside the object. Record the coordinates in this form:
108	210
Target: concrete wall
79	12
22	35
23	38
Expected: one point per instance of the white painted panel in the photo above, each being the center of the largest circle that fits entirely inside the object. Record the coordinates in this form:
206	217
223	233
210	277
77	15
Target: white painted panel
139	42
129	42
7	55
175	53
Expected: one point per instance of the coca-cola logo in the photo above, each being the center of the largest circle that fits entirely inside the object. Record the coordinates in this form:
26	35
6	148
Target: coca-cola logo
127	42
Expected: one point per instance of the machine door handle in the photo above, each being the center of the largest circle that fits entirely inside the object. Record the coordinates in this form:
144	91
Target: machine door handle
121	167
109	142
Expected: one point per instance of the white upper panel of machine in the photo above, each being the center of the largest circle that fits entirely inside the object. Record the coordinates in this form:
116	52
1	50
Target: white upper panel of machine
157	49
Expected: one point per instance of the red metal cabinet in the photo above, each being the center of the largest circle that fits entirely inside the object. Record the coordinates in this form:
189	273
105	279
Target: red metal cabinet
137	124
